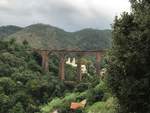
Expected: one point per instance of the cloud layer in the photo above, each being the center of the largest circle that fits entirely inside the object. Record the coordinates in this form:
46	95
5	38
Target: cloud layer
68	14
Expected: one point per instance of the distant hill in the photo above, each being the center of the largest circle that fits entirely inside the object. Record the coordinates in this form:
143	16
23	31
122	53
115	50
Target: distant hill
8	30
93	39
46	36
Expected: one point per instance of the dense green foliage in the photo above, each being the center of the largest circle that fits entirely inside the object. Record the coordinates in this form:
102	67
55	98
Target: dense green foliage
129	60
23	85
108	106
98	98
46	36
26	88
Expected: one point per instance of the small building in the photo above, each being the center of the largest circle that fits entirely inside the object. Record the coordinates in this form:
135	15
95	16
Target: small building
73	63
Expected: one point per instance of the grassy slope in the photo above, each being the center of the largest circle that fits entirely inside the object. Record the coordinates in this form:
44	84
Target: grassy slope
107	105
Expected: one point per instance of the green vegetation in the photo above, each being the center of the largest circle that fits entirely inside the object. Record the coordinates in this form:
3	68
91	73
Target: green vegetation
108	106
8	30
46	36
25	88
129	59
99	100
93	39
23	85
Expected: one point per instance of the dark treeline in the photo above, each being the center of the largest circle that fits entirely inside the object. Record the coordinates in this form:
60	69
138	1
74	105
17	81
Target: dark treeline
129	59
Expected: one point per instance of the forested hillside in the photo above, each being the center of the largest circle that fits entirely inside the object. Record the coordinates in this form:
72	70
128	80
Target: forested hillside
8	30
93	39
26	88
23	84
46	36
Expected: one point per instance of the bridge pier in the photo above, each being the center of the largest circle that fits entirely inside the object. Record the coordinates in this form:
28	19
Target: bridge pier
97	66
45	59
62	66
79	63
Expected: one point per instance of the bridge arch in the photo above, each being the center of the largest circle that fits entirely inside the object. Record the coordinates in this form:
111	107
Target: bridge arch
62	60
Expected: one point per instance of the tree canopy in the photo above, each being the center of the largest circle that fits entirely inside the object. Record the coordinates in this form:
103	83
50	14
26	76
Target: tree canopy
129	59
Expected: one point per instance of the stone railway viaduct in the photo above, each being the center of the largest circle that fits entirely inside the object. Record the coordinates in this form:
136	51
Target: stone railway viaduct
62	53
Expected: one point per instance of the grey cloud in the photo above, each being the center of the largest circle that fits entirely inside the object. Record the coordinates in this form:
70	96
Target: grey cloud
55	12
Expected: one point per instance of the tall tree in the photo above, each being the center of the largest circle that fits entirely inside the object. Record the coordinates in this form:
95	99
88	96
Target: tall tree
129	59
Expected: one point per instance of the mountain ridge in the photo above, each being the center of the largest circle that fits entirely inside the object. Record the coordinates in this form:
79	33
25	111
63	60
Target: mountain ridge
8	30
47	36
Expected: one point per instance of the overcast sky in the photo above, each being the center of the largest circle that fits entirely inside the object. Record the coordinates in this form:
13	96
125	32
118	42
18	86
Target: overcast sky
70	15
